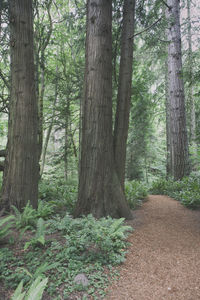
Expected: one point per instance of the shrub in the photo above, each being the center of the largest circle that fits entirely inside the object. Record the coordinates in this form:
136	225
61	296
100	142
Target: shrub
88	239
27	219
60	193
39	238
135	193
187	191
45	209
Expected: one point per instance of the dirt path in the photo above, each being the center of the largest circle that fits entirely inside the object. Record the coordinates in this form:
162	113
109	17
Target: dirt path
164	260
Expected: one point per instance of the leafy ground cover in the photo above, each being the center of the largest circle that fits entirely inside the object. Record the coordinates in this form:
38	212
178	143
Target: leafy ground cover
187	191
45	249
59	249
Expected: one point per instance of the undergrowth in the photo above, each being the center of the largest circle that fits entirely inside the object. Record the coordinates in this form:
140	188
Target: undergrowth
187	190
52	245
75	246
135	192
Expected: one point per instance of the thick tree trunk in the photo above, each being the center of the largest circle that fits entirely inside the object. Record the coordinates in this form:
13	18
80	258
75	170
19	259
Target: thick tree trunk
180	162
124	89
20	182
100	191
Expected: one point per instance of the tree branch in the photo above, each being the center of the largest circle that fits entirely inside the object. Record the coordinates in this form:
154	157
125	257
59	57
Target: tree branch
166	4
4	80
149	27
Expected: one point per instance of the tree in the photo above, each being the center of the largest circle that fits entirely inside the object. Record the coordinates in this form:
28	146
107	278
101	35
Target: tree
100	191
20	181
124	89
180	163
191	99
43	32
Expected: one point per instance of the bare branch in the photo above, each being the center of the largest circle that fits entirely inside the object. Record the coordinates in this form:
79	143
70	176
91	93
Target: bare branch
147	28
4	80
166	4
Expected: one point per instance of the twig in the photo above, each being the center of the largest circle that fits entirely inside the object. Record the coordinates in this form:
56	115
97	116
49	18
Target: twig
4	80
166	4
149	27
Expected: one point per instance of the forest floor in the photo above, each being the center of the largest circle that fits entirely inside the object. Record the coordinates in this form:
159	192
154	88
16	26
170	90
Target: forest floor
163	261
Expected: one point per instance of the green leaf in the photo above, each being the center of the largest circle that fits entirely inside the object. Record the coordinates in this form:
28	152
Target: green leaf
18	295
37	288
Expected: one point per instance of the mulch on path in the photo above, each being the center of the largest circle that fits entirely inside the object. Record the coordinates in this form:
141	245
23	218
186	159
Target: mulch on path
163	262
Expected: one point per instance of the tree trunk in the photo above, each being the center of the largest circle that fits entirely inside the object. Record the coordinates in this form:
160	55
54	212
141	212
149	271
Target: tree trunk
180	162
40	63
46	142
168	125
67	136
190	100
124	89
100	191
20	182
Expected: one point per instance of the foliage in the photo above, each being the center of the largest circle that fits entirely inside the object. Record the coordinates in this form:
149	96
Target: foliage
39	238
45	209
60	194
91	239
26	219
34	292
84	245
187	190
135	192
5	226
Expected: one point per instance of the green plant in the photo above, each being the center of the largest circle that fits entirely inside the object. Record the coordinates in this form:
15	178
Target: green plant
103	239
5	225
27	219
45	209
39	238
186	191
60	193
135	193
35	291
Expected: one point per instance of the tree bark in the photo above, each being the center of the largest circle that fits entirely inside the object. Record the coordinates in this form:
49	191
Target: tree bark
20	181
191	100
46	142
180	162
100	191
67	136
168	127
124	89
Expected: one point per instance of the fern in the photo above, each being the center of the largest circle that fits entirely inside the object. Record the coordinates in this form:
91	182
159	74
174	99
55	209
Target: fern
26	219
35	291
39	238
5	228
